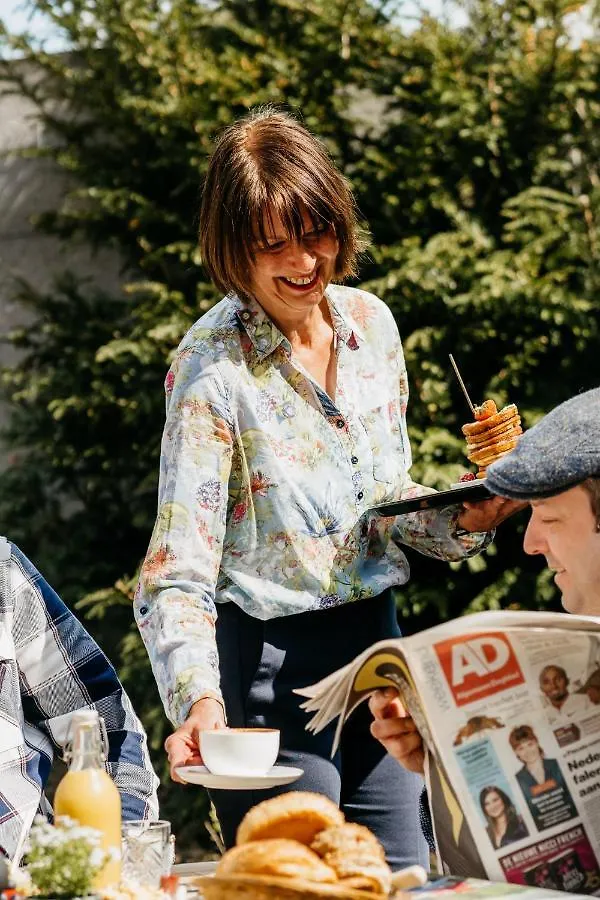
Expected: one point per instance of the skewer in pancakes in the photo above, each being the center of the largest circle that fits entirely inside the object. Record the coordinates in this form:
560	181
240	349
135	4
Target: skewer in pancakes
493	434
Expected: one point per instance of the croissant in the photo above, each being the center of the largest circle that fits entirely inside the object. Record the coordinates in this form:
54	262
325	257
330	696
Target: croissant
277	856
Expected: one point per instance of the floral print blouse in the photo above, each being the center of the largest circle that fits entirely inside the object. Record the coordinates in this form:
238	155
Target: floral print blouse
266	484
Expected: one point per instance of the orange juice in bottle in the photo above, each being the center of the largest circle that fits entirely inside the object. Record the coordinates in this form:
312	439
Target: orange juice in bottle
87	793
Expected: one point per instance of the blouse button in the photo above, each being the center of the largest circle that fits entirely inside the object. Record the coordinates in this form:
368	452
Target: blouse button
143	610
360	495
340	423
245	315
354	460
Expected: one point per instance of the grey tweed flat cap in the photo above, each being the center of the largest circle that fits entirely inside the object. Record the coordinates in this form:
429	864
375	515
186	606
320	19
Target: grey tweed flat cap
559	452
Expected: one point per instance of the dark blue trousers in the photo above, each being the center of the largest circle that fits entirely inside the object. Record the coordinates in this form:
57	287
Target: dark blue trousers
261	663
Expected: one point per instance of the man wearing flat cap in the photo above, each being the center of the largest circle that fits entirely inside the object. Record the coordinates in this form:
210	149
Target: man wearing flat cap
556	468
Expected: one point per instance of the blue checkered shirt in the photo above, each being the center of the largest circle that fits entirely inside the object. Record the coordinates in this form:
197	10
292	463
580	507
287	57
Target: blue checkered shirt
50	667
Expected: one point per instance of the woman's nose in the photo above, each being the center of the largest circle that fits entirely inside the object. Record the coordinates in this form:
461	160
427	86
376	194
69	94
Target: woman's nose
302	258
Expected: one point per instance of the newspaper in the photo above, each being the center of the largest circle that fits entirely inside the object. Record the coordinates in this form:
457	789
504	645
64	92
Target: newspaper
508	705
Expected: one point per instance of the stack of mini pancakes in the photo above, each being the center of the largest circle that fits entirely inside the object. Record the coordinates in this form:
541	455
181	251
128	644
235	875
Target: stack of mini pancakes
298	846
492	435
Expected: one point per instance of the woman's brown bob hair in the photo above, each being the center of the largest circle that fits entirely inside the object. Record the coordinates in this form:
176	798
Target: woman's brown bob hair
523	733
268	161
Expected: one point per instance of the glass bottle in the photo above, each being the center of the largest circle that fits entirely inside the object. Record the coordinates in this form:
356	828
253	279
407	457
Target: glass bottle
87	793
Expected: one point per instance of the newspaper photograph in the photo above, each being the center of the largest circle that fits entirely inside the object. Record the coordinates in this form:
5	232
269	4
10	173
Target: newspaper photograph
508	706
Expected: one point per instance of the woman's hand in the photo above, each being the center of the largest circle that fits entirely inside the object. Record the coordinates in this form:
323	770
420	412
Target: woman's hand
396	730
182	746
487	514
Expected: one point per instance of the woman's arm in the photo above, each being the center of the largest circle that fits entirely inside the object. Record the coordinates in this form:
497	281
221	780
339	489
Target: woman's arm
451	533
174	605
436	532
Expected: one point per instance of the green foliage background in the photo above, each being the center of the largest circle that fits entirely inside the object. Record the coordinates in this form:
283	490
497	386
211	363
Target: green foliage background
473	152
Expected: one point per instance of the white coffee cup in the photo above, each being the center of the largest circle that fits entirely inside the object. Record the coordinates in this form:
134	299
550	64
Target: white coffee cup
239	751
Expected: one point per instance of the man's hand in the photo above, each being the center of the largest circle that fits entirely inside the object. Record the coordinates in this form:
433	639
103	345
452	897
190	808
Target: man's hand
395	729
182	746
487	514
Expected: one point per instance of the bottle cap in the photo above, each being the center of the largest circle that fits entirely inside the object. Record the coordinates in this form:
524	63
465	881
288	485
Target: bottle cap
87	720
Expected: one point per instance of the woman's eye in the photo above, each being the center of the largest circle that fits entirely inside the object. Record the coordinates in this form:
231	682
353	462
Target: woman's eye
278	245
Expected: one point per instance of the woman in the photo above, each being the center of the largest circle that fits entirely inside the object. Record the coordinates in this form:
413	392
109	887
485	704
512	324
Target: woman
504	824
541	780
285	424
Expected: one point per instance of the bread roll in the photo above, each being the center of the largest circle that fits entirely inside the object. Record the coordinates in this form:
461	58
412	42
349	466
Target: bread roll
298	815
356	856
348	838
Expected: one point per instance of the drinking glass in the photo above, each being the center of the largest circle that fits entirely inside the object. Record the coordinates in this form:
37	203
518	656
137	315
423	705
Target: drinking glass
147	851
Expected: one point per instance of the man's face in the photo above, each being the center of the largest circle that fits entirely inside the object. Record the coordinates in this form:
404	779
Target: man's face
554	684
563	529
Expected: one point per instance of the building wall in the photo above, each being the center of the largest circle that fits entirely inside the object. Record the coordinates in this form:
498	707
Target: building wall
28	187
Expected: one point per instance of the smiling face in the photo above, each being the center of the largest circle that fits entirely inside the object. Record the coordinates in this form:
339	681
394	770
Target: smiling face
493	805
528	751
563	529
268	161
289	276
554	684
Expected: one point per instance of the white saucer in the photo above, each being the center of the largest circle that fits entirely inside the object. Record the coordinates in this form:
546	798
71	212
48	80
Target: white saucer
274	777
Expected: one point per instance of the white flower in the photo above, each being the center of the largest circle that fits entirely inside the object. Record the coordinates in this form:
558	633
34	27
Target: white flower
20	879
97	857
64	822
64	857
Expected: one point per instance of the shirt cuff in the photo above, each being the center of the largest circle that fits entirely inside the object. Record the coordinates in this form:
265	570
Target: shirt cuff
188	690
472	541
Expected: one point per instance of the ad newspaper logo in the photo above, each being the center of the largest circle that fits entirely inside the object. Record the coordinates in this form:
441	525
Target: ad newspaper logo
478	665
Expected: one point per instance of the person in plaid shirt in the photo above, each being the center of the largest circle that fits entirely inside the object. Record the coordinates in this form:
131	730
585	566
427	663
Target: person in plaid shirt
49	668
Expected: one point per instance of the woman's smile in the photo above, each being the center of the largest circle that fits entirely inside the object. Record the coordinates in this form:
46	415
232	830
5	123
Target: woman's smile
301	284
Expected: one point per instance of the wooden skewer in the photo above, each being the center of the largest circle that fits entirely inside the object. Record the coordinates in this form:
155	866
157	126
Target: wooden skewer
462	384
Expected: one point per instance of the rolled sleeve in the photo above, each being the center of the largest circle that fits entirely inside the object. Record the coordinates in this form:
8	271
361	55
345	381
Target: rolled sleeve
436	532
433	532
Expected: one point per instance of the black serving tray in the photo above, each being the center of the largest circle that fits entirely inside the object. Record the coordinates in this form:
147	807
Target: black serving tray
470	491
